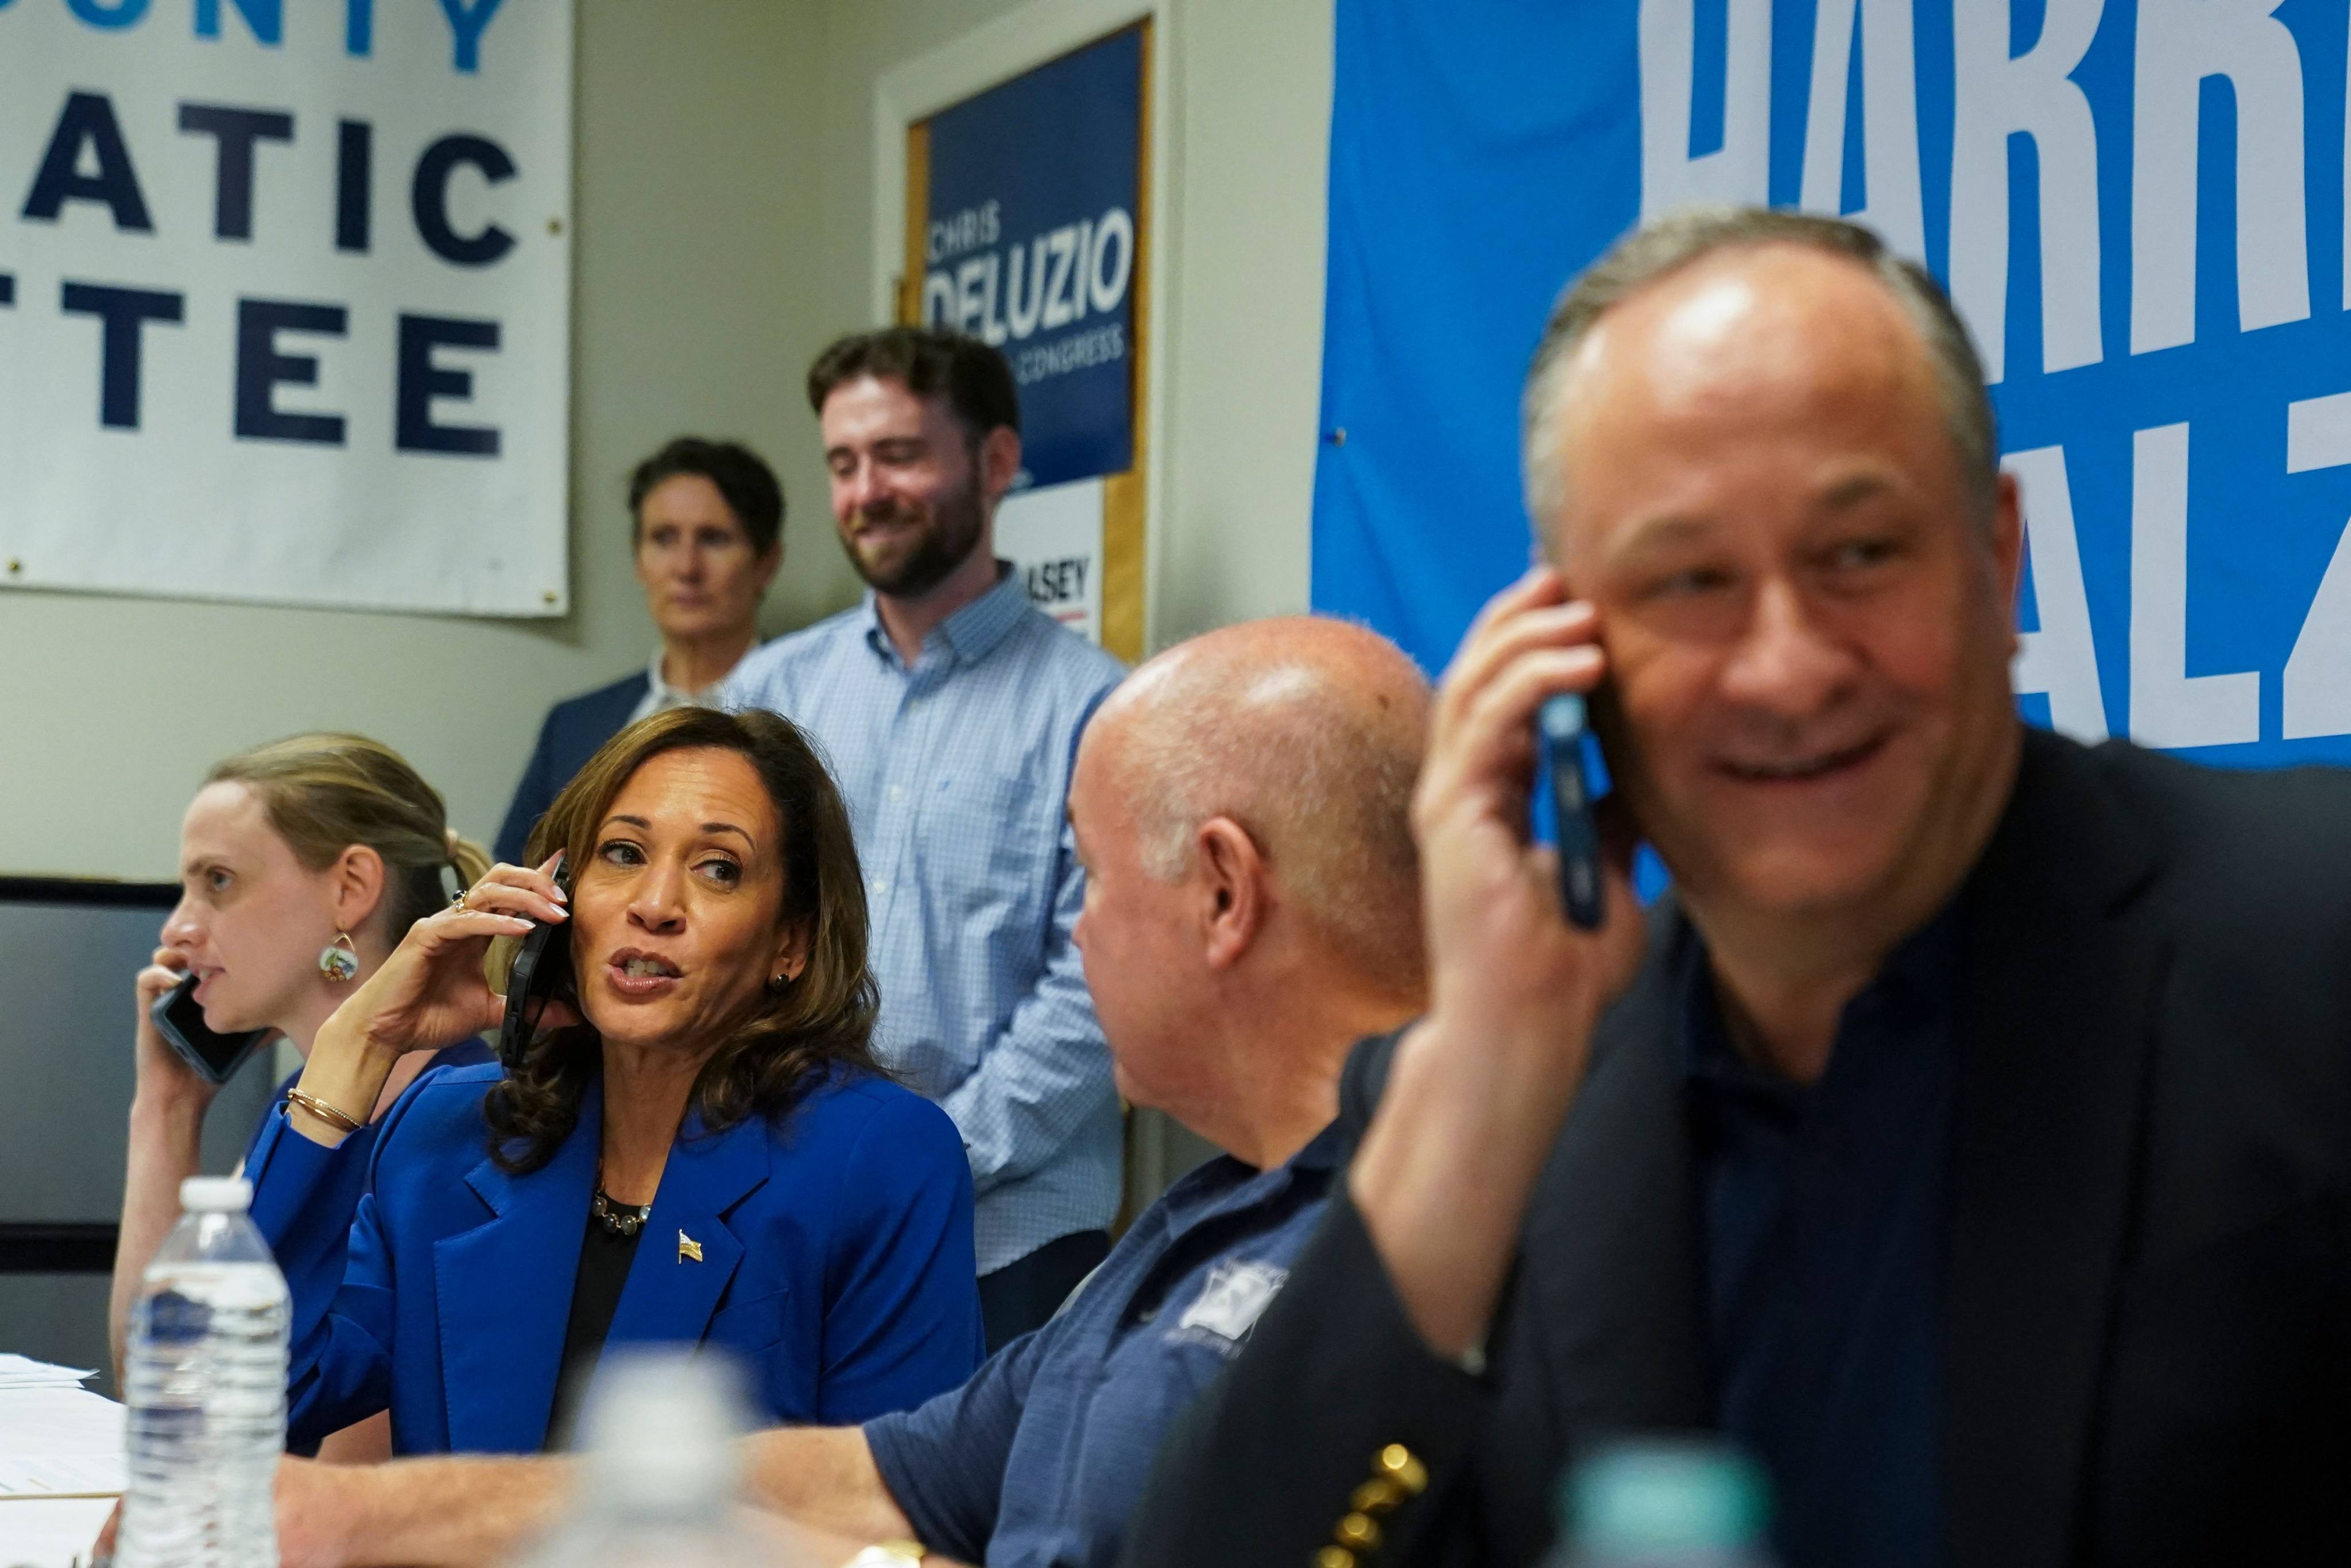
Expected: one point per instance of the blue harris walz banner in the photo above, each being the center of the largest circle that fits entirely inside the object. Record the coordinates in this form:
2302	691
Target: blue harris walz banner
2138	205
1031	245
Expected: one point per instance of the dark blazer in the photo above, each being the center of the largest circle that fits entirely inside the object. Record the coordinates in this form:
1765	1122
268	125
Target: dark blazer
830	1253
574	729
2146	1293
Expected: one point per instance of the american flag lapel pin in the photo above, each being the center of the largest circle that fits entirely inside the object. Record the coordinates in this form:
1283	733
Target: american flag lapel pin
689	1250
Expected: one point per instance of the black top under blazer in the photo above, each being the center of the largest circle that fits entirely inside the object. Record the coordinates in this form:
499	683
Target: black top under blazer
2147	1282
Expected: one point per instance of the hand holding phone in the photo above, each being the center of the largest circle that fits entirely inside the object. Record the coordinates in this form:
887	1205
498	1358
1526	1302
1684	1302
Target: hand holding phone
433	990
1510	921
1524	956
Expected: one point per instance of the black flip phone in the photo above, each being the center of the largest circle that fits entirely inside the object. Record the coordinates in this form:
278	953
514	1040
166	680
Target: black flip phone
1560	727
541	973
180	1022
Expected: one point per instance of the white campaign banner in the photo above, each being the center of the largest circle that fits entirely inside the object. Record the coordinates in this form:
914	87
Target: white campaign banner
1053	537
285	300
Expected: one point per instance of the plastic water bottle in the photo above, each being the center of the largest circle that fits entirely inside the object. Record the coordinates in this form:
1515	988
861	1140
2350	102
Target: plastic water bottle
205	1385
661	1473
1663	1504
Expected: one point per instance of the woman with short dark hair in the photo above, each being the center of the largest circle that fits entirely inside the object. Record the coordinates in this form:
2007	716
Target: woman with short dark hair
706	531
696	1144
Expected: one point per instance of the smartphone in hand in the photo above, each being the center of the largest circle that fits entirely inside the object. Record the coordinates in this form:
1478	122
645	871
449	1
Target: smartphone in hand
541	973
180	1022
1560	727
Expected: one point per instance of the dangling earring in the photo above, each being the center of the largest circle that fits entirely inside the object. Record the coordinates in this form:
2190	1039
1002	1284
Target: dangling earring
338	961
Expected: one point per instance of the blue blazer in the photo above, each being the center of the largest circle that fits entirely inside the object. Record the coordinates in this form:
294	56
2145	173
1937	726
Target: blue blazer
836	1264
574	729
313	1237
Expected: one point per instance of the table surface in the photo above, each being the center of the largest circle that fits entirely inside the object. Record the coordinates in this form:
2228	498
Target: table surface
55	1423
58	1532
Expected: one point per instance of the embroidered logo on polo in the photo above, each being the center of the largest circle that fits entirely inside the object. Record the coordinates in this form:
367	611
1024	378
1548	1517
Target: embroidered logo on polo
1229	1305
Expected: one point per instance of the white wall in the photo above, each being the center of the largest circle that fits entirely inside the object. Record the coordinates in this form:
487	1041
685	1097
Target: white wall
696	138
1247	297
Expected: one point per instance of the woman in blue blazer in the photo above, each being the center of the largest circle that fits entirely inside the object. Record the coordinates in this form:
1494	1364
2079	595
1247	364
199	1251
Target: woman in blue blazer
695	1145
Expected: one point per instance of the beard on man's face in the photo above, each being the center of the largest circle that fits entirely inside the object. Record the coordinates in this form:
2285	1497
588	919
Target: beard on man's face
908	568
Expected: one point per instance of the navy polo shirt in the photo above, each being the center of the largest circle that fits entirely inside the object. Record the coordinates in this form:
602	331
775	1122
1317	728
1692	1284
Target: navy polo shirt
1038	1461
1822	1217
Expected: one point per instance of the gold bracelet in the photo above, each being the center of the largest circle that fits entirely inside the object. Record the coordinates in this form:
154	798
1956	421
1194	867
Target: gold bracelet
323	1111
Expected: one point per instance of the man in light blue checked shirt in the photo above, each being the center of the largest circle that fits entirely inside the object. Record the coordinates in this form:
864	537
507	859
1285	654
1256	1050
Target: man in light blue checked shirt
950	709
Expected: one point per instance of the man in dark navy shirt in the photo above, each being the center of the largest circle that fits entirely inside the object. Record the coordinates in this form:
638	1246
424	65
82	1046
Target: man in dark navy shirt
1822	1205
1040	1457
1964	1136
1251	911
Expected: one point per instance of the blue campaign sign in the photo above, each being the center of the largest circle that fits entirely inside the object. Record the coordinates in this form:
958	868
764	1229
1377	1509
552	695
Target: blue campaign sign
1031	245
2137	204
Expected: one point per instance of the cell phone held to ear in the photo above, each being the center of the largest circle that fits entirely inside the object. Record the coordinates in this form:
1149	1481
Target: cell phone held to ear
180	1021
541	973
1560	726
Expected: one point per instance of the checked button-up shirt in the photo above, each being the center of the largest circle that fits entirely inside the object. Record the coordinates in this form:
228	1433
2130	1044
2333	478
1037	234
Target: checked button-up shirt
956	773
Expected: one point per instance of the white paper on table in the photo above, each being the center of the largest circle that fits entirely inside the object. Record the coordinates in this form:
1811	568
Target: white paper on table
55	1423
23	1372
56	1534
62	1475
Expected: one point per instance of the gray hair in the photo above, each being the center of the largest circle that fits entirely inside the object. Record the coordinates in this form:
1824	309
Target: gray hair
1307	733
1672	243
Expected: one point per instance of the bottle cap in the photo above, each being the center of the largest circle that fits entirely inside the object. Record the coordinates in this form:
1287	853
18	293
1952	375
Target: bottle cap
1659	1495
660	1431
215	1195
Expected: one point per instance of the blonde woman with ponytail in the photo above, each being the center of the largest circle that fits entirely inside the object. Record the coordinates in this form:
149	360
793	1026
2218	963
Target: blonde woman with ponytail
302	865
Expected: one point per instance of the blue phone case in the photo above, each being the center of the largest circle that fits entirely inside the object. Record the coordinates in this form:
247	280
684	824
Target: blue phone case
1560	723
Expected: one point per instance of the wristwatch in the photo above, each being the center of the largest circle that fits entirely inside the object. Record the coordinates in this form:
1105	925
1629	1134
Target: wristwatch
888	1554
